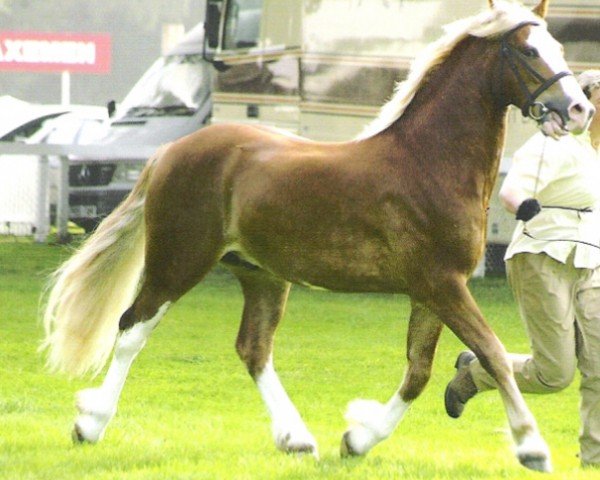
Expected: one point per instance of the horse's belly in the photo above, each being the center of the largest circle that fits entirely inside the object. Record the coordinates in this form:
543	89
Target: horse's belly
359	269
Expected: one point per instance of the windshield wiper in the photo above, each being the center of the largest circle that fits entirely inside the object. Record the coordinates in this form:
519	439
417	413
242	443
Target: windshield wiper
150	111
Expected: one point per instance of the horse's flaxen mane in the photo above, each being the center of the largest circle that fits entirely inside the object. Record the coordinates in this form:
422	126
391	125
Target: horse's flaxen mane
504	16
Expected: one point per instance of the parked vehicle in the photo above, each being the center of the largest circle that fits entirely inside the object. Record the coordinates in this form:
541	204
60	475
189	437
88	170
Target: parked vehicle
23	208
21	120
78	127
172	99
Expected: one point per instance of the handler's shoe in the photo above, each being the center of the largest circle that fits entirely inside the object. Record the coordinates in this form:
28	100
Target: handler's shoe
461	388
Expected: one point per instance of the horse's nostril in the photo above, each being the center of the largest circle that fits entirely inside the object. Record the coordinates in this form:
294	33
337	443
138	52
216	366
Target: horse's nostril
581	112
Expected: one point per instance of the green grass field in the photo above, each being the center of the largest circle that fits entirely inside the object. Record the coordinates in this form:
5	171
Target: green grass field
190	411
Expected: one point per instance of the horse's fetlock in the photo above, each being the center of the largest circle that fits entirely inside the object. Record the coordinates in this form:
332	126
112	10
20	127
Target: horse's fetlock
127	320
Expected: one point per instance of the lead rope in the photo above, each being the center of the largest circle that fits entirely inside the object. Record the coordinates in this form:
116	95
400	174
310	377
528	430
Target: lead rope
578	210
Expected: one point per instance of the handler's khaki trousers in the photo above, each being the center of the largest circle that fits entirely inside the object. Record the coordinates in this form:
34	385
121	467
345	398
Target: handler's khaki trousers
560	305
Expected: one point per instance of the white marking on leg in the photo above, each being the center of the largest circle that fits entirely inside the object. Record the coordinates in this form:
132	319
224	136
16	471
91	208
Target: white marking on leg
289	431
533	452
97	406
530	448
370	422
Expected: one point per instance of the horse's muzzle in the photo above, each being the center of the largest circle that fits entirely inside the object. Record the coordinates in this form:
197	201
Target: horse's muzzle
580	115
575	118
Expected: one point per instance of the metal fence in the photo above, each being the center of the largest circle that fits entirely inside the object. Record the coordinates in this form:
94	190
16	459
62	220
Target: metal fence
35	177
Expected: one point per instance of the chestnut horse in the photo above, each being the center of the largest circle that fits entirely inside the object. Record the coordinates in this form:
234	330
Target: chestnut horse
401	208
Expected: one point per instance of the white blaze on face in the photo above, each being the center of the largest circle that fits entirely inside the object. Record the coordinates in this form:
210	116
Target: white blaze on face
548	48
551	54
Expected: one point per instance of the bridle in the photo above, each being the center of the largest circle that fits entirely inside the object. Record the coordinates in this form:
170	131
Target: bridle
515	59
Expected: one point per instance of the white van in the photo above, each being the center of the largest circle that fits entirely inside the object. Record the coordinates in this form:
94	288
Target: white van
172	99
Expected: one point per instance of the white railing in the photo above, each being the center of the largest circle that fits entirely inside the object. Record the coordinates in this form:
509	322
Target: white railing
38	215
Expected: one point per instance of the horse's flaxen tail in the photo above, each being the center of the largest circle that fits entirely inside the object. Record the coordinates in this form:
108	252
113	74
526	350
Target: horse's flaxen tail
88	293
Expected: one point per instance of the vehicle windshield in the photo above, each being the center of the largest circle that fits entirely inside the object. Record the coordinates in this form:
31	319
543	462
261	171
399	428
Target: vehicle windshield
174	85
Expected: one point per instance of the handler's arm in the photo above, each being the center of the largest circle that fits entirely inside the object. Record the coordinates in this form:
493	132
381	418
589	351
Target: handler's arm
527	177
511	198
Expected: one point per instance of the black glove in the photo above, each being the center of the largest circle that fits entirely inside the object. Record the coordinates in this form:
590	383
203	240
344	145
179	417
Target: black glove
528	209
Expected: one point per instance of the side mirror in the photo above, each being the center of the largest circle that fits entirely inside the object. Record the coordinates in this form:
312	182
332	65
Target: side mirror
212	29
212	24
111	106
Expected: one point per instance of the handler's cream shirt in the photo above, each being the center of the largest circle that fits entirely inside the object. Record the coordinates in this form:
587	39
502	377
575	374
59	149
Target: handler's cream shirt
568	176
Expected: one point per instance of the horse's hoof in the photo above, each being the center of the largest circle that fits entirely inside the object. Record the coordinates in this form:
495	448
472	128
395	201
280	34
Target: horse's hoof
86	430
303	449
299	446
346	449
539	463
77	436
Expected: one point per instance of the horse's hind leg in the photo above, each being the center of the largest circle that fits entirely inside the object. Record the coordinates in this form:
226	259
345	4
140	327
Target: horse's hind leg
97	406
264	302
172	268
370	421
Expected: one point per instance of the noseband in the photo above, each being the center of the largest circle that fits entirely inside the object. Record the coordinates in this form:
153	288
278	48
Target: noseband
515	59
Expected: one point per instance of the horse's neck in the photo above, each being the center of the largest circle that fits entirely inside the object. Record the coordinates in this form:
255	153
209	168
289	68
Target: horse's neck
456	112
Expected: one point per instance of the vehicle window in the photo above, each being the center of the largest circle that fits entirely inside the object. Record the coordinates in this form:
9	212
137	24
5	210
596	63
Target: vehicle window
579	36
27	129
174	85
67	128
242	24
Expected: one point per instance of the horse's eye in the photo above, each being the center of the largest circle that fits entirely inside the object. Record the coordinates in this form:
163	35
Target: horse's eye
530	52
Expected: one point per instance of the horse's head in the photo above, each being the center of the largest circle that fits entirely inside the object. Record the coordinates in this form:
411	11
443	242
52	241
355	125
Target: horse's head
536	78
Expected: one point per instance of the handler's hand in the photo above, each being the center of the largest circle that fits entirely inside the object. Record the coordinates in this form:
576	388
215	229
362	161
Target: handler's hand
528	209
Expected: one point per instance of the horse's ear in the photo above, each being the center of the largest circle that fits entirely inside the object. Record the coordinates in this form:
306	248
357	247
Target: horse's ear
542	8
491	2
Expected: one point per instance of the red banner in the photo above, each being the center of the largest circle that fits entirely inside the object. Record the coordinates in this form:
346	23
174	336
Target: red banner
55	52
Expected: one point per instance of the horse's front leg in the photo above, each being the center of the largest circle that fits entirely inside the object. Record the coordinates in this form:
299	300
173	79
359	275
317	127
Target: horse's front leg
457	309
264	301
370	422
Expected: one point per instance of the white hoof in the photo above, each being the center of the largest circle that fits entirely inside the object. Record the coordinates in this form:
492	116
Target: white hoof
87	430
95	412
533	453
300	441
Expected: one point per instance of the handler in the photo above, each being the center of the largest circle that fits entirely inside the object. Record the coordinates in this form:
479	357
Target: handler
553	187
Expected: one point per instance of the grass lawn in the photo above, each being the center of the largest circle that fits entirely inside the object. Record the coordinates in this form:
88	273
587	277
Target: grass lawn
190	411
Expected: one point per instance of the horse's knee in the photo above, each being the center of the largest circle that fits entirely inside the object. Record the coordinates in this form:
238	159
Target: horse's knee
499	367
496	363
